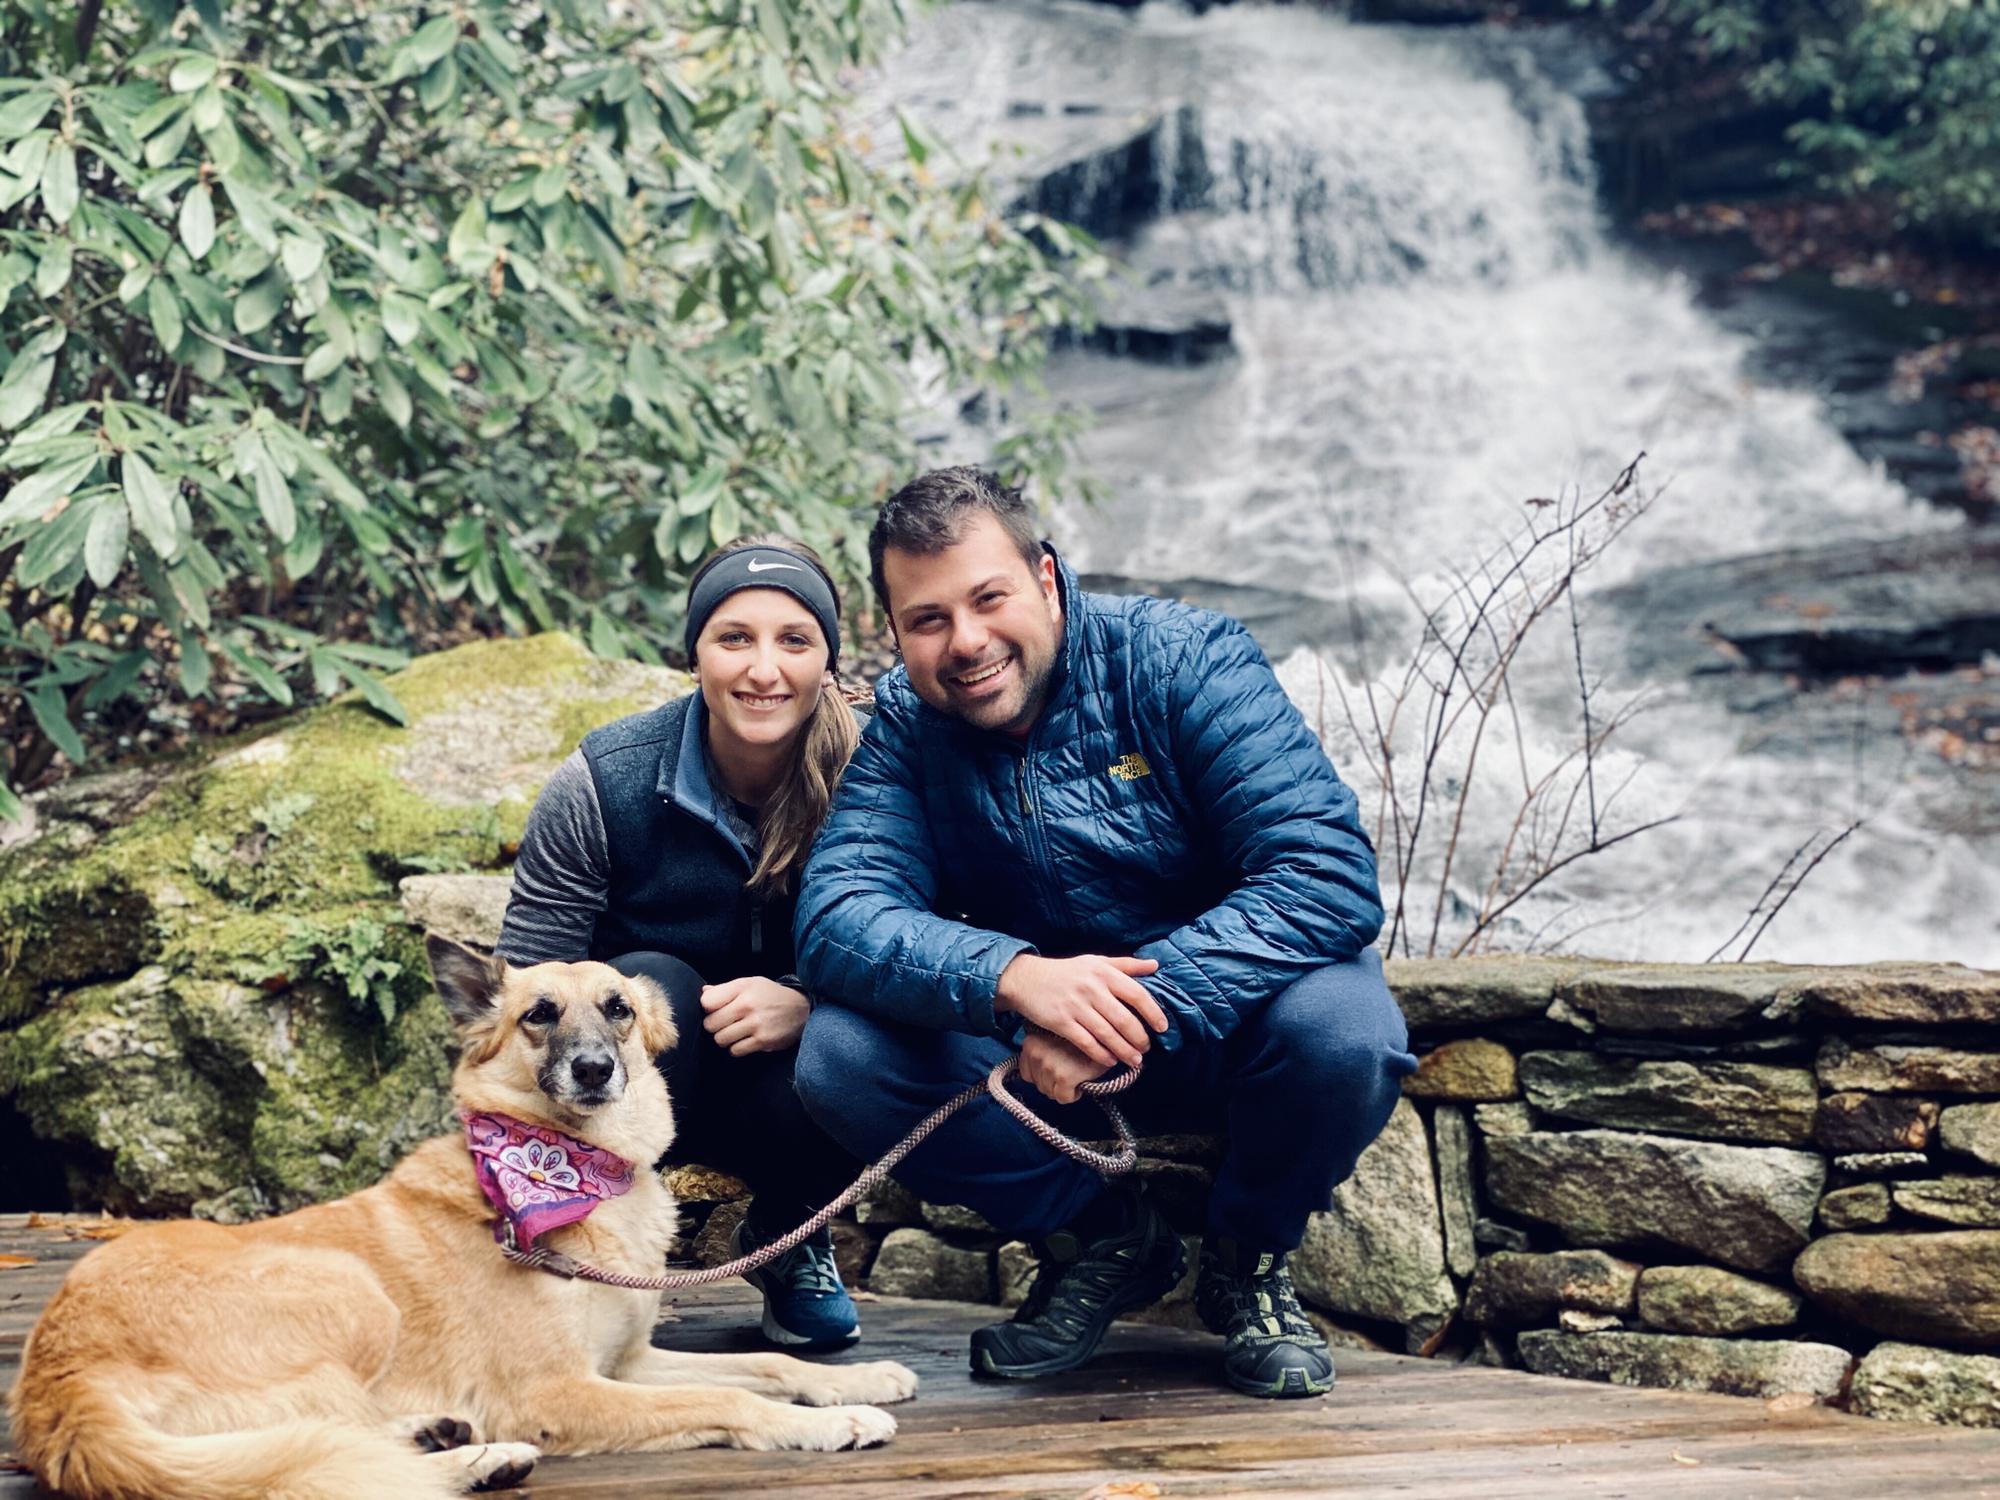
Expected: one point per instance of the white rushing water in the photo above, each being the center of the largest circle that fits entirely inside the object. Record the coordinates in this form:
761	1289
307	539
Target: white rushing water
1429	327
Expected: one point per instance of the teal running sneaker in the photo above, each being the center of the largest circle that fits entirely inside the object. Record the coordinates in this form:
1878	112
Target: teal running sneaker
805	1305
1270	1347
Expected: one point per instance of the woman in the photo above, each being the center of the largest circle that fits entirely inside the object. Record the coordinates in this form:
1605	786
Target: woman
670	845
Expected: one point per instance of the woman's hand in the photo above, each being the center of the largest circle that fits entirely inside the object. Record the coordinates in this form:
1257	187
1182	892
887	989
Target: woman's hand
753	1015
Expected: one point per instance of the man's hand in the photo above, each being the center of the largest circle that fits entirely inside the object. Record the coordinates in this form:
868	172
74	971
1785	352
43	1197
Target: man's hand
1094	1003
753	1015
1056	1068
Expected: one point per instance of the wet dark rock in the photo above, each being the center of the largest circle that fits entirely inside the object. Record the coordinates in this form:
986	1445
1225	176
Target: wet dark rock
1913	603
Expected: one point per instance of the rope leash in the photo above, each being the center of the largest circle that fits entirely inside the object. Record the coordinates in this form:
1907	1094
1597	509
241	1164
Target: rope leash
1111	1164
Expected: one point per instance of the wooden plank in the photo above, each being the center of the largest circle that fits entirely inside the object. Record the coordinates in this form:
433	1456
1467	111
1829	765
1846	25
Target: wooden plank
1153	1408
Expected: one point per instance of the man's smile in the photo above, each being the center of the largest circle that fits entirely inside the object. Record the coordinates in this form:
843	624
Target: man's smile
980	677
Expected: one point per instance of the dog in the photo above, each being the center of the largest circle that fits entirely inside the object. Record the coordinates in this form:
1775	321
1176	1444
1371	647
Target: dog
381	1344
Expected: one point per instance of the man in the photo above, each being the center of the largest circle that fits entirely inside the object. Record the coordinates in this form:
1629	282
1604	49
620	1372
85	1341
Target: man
1097	829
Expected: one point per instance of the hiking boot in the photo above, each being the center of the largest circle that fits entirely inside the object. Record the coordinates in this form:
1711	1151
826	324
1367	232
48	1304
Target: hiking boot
1079	1287
1270	1347
805	1305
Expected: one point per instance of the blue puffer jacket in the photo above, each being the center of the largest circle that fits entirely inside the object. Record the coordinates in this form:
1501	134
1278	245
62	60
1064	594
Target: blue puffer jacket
1170	803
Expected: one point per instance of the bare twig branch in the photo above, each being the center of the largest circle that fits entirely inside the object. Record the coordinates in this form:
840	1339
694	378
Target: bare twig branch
1793	889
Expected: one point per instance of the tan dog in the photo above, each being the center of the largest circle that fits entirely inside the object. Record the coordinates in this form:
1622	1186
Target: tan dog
320	1354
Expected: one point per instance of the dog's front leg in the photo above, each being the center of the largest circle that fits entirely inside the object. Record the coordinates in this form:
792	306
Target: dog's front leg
877	1382
595	1415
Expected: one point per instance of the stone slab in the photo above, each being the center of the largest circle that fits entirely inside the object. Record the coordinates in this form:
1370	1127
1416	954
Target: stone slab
1513	1291
1455	992
1470	1071
1457	1197
1713	1100
916	1263
1732	1367
1907	1068
1749	1207
1939	1287
1866	1205
1973	1130
1378	1252
1968	1202
1712	1302
1911	1383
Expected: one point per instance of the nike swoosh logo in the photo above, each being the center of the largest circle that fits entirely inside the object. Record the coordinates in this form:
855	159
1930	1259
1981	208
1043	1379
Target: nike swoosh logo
757	567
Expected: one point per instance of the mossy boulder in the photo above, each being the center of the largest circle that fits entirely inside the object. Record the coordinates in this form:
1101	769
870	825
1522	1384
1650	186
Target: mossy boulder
210	999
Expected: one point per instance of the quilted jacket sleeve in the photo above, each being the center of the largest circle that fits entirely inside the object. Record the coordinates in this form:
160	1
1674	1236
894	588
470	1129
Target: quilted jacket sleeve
1280	819
866	932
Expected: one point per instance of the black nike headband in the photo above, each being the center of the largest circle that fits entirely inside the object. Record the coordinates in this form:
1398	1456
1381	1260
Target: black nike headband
763	568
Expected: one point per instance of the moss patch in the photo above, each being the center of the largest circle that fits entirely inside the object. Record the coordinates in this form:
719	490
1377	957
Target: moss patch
215	1080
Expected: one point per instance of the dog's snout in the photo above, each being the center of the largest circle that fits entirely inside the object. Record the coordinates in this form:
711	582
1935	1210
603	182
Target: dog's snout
592	1071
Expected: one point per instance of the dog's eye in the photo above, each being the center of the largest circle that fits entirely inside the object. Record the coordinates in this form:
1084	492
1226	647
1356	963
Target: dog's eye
541	1013
615	1009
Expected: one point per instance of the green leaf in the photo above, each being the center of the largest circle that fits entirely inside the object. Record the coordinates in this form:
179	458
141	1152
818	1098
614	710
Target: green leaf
372	688
152	507
195	667
52	274
53	546
259	671
430	42
468	235
192	72
164	308
197	220
59	187
401	317
395	396
23	388
274	498
260	302
33	496
725	519
51	710
24	112
302	257
322	362
253	210
104	546
439	84
208	110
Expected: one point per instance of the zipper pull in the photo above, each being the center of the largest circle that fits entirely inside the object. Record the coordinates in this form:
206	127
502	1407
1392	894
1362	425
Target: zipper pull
1021	786
756	927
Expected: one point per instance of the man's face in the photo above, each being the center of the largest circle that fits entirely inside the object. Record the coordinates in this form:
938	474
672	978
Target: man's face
978	627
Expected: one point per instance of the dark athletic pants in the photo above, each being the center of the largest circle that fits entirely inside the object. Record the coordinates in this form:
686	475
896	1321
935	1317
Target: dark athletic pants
740	1114
1299	1089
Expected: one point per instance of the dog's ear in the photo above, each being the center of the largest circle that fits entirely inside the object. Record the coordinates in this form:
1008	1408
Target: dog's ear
467	982
656	1016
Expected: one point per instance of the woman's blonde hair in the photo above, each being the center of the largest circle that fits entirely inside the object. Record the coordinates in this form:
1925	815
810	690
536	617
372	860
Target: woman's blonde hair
790	821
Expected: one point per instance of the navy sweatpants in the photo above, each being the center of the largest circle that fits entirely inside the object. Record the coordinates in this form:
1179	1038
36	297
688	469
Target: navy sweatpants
1298	1090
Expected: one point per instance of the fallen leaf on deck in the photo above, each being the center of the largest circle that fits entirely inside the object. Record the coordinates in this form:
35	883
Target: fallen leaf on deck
106	1228
1686	1462
1792	1401
864	1297
15	1262
1144	1488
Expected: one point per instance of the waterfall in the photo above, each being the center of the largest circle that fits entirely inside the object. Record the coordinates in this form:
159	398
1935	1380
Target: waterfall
1430	325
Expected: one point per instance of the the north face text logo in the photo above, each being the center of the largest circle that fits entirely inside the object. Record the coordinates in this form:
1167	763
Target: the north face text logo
1130	767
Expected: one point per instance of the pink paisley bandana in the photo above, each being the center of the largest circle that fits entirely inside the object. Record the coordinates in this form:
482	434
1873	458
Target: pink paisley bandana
537	1178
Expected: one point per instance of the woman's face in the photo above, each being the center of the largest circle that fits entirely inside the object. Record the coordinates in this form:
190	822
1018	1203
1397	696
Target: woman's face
760	660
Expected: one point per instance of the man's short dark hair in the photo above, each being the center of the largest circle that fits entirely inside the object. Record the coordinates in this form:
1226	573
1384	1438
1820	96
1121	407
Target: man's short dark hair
930	514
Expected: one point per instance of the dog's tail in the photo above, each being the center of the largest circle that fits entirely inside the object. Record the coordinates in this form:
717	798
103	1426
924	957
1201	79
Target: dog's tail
101	1447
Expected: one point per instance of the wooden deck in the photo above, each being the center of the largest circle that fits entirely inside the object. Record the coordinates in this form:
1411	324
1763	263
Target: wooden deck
1150	1417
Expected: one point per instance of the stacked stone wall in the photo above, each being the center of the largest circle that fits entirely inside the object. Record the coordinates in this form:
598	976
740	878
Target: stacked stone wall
1758	1179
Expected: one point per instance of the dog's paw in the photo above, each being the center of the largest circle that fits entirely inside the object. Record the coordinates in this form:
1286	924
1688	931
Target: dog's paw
836	1427
495	1466
878	1383
435	1434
